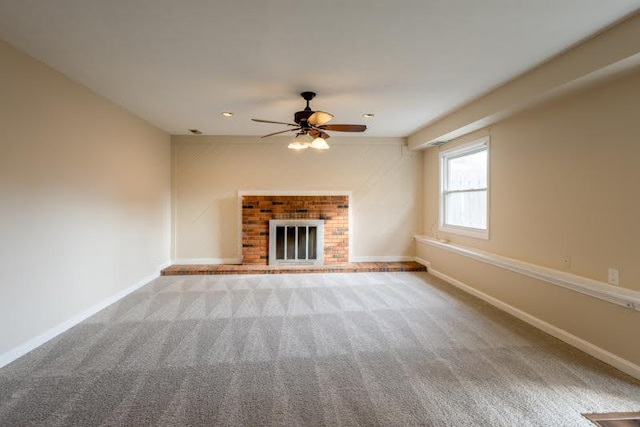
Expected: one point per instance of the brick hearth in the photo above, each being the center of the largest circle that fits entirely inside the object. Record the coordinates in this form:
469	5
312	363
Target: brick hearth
358	267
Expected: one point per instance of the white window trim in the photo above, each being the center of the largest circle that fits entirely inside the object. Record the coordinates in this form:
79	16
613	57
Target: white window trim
462	149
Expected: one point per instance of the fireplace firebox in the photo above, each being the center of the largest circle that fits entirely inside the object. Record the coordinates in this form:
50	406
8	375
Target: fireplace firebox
296	242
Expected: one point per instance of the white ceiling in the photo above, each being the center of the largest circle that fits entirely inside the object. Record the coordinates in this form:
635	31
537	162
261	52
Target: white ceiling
179	64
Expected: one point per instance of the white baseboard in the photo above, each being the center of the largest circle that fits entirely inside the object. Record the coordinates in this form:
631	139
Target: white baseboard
33	343
589	348
423	262
209	261
392	258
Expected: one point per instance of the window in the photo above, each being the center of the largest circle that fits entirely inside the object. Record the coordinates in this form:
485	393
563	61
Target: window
464	189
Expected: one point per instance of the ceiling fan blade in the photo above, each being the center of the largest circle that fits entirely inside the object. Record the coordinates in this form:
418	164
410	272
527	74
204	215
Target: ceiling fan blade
319	133
277	123
319	118
282	131
344	128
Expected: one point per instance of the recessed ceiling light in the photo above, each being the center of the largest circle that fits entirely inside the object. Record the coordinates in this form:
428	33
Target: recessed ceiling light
195	131
227	113
368	116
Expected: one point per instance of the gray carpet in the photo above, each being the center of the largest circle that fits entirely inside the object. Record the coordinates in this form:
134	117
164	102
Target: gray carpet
318	349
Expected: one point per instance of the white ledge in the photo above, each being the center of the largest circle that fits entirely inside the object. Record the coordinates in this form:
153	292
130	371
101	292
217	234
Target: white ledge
625	297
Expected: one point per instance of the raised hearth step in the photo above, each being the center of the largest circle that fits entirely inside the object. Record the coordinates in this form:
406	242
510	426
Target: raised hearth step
353	267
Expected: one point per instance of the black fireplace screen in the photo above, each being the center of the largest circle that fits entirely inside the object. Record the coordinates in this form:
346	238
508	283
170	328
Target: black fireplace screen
296	242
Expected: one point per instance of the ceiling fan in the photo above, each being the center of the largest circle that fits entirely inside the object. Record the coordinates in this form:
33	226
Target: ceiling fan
310	127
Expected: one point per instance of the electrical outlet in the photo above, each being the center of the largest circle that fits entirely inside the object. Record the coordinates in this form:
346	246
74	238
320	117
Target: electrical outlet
614	277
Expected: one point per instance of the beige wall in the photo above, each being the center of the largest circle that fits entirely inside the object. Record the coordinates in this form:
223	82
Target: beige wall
384	178
564	181
84	199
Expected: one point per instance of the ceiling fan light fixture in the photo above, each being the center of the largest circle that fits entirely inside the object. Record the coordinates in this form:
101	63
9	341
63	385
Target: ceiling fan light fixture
300	142
320	144
297	146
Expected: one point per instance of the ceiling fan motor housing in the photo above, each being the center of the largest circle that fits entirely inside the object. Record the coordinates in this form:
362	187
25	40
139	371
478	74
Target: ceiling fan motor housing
303	116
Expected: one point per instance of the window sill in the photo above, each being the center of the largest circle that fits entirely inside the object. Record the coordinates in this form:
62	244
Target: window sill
464	231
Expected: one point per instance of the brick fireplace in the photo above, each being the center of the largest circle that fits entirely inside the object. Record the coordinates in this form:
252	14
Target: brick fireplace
258	210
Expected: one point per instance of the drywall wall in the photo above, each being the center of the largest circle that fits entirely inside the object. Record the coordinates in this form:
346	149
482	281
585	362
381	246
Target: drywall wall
564	178
208	172
84	199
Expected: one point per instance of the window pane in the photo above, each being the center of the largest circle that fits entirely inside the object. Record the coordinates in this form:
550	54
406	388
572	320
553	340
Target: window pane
312	242
279	242
302	242
291	243
467	172
467	209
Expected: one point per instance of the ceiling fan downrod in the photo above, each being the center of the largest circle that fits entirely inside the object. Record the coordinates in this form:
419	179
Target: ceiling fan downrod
301	117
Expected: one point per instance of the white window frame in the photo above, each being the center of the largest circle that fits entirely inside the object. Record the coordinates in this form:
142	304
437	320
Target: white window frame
459	151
